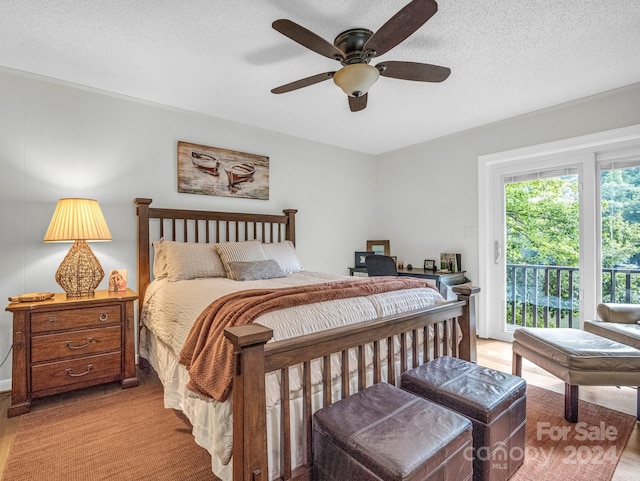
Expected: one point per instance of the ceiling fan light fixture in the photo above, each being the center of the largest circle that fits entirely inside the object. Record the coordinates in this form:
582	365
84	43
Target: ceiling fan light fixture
356	79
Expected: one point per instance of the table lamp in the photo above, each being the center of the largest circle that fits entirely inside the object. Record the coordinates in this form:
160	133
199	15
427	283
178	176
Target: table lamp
78	220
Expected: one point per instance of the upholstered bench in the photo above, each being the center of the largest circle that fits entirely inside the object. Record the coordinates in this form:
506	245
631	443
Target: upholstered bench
579	358
385	433
494	401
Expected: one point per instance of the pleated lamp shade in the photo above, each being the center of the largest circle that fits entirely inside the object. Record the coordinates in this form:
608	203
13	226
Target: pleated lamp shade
78	220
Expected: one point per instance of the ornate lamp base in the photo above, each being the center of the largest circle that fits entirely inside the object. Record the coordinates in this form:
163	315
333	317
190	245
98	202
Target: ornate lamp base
80	271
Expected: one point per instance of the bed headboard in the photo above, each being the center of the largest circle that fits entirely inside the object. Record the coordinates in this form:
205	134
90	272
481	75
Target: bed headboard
203	226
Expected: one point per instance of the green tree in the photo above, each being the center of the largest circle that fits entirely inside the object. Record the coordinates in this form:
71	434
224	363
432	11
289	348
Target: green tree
543	228
543	222
620	217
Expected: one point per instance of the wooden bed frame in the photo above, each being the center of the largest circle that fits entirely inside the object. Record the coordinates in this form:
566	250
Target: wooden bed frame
254	357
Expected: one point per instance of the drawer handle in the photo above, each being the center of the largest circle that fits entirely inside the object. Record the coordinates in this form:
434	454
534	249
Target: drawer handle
103	316
52	319
69	373
89	341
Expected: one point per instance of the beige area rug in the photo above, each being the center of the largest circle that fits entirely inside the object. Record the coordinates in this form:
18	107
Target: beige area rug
557	450
123	435
128	435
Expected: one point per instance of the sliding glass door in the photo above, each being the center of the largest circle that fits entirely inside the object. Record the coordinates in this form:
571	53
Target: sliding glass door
620	227
559	231
542	222
541	219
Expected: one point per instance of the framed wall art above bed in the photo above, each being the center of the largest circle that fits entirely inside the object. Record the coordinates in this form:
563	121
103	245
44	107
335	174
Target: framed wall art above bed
214	171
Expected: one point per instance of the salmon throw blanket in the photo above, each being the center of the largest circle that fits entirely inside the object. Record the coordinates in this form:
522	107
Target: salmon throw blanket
208	355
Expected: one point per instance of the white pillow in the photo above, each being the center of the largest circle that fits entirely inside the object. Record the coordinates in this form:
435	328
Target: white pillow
178	261
284	253
247	251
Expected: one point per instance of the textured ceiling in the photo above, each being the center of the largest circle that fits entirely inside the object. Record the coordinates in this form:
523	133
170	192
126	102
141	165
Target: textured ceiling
221	58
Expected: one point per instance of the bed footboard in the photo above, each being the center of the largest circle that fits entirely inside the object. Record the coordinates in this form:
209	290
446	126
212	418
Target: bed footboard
437	328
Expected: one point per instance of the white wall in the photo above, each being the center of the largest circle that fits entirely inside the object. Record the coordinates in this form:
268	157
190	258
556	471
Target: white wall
60	141
428	200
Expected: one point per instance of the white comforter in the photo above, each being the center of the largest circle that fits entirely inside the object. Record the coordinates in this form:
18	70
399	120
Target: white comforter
170	308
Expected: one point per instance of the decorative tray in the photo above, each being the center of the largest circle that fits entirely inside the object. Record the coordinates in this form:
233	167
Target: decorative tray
32	297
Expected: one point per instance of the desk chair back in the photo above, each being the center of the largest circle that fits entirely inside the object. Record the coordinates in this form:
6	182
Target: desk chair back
378	265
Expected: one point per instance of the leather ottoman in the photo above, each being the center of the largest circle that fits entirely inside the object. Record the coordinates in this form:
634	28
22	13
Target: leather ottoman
494	401
385	433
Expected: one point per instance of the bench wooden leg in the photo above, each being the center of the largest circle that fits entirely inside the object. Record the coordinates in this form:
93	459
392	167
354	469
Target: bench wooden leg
516	365
571	403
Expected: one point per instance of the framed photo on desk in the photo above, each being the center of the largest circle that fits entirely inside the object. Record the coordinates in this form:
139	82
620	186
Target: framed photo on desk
379	247
451	262
361	256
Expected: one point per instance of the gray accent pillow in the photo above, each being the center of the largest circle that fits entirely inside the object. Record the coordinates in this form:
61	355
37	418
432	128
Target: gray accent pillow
254	270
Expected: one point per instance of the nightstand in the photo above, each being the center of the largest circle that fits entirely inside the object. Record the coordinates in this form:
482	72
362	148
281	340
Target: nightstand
64	344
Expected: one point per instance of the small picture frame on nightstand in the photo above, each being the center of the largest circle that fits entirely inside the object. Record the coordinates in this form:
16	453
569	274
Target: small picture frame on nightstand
118	280
429	265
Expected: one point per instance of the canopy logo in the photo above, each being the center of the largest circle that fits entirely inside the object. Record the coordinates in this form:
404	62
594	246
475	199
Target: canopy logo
579	453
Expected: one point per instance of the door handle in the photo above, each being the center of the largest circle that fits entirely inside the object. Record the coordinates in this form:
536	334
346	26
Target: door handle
497	252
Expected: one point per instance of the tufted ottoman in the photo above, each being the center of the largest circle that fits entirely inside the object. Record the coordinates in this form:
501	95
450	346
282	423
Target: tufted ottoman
579	358
494	401
385	433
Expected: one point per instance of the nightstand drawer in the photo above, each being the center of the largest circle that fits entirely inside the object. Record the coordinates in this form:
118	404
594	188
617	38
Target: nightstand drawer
72	318
75	343
81	370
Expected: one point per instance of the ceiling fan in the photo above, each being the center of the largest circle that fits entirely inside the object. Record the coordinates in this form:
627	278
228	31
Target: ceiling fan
355	48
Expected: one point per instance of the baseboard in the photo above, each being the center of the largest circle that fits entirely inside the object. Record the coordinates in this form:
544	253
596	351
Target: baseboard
5	385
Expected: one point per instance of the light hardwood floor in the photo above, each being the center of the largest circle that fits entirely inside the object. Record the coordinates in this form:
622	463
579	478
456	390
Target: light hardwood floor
494	354
498	355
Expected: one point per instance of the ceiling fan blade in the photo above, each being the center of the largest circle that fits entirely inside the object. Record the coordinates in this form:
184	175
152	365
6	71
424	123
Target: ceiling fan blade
358	103
305	82
401	25
307	38
421	72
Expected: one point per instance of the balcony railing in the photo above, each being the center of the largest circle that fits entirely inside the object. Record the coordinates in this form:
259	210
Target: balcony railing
549	296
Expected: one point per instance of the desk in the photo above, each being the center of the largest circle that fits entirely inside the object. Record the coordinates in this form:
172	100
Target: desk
441	280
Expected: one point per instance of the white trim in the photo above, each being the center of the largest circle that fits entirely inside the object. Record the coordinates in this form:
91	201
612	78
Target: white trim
594	143
584	149
5	385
